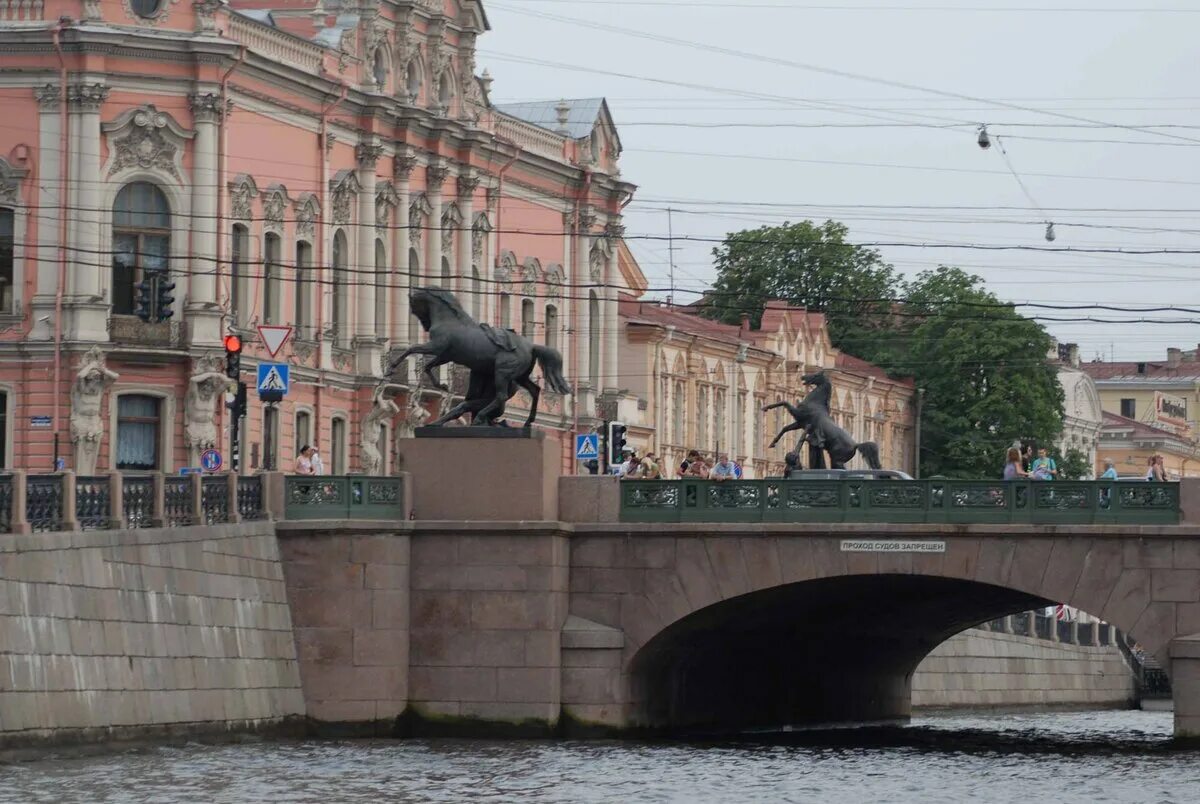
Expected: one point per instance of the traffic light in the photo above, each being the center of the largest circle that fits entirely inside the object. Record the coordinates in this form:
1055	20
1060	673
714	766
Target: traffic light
233	356
237	405
164	288
144	301
615	442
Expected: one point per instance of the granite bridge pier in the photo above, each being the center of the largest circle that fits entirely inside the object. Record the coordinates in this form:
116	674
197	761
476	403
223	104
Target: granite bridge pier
571	605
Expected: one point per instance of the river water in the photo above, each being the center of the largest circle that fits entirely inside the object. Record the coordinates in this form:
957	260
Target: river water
1071	757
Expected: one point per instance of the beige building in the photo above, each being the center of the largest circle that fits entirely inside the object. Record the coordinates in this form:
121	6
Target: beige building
693	383
1082	410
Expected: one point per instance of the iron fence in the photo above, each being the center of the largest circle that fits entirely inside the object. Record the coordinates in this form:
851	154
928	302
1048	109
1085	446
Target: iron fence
93	502
178	502
1042	626
214	499
899	501
44	502
250	497
343	497
6	503
137	500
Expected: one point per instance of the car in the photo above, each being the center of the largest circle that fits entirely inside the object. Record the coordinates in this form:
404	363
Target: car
847	474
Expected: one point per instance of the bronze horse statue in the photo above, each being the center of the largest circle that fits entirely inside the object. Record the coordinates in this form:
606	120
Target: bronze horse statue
820	431
500	360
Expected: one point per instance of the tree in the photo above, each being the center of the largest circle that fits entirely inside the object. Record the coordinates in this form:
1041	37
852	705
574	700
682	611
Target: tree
1075	465
984	371
808	266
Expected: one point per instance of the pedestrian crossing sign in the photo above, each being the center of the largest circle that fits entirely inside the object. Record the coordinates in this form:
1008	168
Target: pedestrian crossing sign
273	378
587	447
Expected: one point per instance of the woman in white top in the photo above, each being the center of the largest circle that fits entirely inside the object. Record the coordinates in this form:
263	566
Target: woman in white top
303	464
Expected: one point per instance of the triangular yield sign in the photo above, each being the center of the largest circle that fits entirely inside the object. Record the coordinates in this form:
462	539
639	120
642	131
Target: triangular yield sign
273	337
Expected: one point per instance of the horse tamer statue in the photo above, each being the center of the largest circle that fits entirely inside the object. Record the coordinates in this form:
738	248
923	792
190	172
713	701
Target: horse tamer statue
820	431
500	360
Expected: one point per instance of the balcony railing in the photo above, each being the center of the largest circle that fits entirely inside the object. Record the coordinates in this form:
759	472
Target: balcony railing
132	331
900	501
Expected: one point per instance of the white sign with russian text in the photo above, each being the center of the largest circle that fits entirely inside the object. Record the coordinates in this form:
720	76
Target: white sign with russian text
891	546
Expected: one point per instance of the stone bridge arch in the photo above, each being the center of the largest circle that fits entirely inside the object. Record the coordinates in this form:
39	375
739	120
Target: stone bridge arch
761	625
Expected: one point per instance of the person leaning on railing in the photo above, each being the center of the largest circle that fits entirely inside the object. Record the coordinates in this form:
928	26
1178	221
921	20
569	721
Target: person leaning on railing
1012	467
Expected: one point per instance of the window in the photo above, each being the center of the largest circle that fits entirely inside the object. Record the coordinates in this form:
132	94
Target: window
271	269
304	285
758	415
270	438
238	273
138	423
414	274
337	431
7	243
738	440
719	421
1129	408
381	288
593	337
527	322
3	429
303	430
678	400
551	326
338	319
146	8
379	69
505	323
701	417
141	240
476	294
412	81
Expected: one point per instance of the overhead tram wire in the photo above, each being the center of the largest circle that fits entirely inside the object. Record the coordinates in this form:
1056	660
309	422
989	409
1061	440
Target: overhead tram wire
710	47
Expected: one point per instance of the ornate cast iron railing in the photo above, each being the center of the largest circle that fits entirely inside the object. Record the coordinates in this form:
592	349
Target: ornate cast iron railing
899	501
93	502
214	499
178	504
137	498
331	497
44	502
6	503
250	497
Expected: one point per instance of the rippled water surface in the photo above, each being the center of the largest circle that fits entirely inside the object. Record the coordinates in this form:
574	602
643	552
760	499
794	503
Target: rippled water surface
1078	757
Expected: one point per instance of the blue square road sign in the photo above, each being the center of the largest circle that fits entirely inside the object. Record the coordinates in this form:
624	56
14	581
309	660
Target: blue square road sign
587	447
273	378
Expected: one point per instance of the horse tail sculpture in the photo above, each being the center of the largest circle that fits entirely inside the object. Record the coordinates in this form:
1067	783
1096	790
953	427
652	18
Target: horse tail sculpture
551	363
869	450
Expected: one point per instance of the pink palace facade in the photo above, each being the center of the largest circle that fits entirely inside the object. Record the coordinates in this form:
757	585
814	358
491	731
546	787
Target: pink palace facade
284	162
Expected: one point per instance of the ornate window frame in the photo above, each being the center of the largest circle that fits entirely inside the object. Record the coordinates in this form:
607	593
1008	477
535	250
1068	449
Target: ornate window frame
166	417
10	401
11	179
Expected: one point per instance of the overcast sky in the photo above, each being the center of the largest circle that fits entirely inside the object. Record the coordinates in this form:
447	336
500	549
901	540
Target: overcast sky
902	165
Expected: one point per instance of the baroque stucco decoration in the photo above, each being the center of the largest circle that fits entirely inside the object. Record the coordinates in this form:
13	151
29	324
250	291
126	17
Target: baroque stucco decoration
506	267
344	189
87	427
419	212
601	251
451	222
205	387
554	280
145	138
275	202
242	191
386	199
531	272
10	182
308	209
480	230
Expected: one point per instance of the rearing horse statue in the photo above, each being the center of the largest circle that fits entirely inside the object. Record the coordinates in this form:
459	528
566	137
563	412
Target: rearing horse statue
500	360
820	431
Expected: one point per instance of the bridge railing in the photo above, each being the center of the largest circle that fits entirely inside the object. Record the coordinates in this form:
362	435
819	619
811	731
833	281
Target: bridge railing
343	497
900	501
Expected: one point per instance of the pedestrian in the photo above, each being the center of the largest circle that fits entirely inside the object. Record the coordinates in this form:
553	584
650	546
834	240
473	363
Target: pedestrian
649	469
318	465
692	456
1158	472
698	468
1044	467
1027	456
1110	470
303	464
1012	466
724	469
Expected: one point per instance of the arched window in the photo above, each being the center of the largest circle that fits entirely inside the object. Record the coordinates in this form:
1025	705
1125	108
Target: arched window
7	251
476	294
381	288
337	447
445	91
551	326
412	81
272	251
505	322
146	9
527	318
339	322
593	337
238	271
379	69
304	285
303	430
678	400
141	241
414	275
702	417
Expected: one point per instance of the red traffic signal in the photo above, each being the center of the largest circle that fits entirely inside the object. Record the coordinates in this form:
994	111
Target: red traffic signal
233	343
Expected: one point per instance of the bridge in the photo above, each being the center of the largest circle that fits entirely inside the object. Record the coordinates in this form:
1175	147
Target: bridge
456	600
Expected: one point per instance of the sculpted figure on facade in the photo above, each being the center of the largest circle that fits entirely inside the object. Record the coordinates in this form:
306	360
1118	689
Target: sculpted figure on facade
87	392
382	410
205	388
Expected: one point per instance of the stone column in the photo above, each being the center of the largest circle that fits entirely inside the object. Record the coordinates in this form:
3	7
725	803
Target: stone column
436	174
202	311
1185	685
585	394
468	180
88	320
402	168
49	175
611	327
367	342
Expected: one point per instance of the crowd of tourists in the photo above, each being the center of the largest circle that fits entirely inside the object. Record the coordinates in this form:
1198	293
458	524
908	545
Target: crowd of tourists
1021	463
696	466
